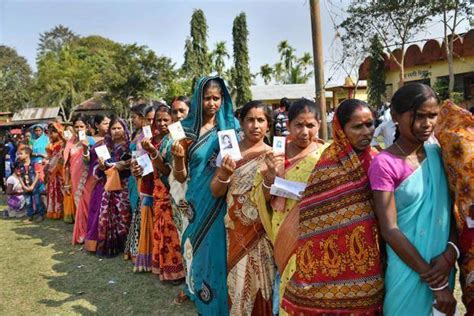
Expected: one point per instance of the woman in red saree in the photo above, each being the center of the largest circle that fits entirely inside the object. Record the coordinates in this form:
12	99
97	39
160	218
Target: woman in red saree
338	264
167	261
54	171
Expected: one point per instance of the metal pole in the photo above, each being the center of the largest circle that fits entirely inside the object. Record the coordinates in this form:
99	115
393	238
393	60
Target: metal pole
318	64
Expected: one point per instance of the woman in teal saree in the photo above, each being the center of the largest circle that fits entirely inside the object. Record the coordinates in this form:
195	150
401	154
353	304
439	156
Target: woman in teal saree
204	240
414	210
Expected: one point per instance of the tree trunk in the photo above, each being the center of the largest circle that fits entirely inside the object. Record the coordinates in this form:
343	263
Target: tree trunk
401	66
449	46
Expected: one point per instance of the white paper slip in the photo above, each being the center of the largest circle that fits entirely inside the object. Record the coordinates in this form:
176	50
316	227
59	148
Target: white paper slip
469	222
228	144
82	135
219	160
147	132
145	162
176	131
287	189
102	152
279	145
67	135
134	154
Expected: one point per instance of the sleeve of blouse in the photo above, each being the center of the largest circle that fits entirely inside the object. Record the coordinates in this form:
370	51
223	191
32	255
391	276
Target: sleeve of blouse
381	175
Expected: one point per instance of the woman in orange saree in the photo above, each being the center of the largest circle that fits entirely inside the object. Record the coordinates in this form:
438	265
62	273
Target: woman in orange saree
455	133
54	171
250	267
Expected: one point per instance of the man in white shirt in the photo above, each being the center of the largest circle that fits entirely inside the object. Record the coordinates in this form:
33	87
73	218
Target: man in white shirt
387	130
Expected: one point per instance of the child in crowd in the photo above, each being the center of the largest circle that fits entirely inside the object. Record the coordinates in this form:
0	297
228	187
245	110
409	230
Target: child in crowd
15	197
29	179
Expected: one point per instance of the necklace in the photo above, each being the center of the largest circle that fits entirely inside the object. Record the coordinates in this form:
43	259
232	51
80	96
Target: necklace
410	155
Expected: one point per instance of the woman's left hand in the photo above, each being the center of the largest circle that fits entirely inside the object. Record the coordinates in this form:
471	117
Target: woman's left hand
438	275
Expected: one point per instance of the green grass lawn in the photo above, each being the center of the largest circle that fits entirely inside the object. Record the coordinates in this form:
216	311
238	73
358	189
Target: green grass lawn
41	273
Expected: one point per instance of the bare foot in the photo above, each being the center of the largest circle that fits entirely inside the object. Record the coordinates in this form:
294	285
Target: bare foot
181	298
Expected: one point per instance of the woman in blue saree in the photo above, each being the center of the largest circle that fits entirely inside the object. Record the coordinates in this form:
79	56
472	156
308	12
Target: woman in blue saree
204	240
138	121
414	210
39	143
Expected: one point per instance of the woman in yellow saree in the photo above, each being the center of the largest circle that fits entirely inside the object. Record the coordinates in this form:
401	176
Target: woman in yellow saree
302	152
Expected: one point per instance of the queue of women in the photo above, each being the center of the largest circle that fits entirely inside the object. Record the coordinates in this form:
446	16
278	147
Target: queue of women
373	233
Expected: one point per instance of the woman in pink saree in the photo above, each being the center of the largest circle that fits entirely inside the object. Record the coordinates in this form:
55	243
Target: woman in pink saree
76	157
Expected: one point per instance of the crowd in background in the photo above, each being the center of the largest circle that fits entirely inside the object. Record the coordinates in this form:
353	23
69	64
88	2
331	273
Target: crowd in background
373	232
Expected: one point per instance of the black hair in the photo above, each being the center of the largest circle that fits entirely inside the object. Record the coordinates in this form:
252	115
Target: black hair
139	109
286	103
213	83
163	108
152	108
113	119
182	98
301	106
409	98
98	118
471	109
243	111
347	107
80	117
237	113
51	127
16	165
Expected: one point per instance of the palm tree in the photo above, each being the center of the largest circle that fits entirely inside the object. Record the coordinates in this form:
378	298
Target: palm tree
296	75
305	62
278	72
218	55
266	72
287	55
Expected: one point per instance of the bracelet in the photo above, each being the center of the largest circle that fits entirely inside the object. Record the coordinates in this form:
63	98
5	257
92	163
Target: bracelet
66	186
180	170
153	157
266	186
223	181
439	288
86	155
458	253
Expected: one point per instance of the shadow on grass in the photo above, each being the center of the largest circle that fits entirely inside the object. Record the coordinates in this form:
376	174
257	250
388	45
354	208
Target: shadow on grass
95	285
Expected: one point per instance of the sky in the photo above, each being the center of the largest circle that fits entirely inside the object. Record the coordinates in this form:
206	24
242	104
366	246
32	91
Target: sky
164	25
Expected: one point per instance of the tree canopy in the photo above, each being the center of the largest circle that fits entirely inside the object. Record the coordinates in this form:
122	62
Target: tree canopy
15	80
242	79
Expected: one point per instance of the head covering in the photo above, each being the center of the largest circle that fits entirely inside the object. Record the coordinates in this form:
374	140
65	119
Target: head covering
225	115
59	128
58	144
39	143
108	137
